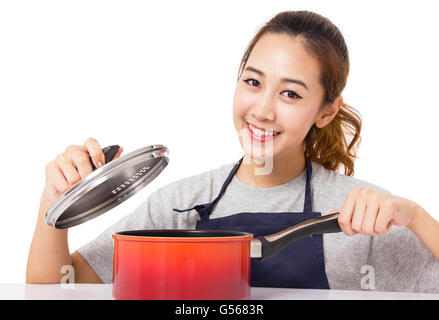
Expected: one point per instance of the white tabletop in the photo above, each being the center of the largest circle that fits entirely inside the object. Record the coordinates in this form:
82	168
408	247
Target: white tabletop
104	292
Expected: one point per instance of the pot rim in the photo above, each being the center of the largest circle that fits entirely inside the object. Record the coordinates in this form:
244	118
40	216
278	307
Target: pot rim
182	235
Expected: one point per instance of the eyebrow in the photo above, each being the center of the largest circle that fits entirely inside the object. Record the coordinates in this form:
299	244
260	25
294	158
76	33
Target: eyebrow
259	72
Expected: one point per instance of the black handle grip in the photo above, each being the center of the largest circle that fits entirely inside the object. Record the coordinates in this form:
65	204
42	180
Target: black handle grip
273	244
109	153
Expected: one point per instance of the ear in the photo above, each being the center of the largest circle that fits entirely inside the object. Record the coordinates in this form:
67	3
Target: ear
328	113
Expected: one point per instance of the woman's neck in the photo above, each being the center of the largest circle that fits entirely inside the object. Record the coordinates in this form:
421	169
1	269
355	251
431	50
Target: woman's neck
272	172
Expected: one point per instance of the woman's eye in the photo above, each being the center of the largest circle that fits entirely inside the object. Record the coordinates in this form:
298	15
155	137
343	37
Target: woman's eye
250	81
292	94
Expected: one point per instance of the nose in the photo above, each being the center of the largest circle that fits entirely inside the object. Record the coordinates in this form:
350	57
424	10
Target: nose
264	109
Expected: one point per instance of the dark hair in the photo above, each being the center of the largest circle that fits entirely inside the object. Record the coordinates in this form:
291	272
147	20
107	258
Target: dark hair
329	145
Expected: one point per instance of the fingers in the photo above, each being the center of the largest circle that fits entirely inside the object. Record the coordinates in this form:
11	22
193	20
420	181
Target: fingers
384	219
367	212
72	165
368	226
95	151
80	158
358	216
68	170
346	213
55	178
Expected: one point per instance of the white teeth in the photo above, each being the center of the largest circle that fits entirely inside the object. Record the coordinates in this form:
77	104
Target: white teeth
261	133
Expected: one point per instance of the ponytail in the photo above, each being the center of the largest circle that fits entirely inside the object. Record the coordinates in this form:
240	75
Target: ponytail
329	147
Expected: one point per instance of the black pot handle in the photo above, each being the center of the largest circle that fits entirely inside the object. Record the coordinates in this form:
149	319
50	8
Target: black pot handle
109	153
274	243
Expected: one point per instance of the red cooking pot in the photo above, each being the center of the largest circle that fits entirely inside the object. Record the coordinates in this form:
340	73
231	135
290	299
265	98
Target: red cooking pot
198	264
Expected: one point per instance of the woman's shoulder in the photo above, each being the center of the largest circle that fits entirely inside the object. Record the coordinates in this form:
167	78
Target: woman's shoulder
335	181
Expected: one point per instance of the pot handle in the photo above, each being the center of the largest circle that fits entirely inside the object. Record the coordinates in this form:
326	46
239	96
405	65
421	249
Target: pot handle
109	153
272	244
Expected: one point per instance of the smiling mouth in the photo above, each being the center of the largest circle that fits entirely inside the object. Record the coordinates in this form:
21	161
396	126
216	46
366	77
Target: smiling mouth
262	133
261	136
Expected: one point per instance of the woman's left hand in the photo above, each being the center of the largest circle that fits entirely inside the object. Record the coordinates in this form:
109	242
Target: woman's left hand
369	212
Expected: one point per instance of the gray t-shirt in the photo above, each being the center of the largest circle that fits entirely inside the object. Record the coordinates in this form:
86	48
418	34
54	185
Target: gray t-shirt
398	261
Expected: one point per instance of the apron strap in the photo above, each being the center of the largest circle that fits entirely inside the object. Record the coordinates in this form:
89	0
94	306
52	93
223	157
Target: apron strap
307	206
205	209
226	183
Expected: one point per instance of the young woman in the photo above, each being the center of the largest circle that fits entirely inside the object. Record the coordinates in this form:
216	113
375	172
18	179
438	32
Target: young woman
294	128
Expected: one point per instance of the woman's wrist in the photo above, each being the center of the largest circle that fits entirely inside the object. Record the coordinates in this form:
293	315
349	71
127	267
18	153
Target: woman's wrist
420	218
426	228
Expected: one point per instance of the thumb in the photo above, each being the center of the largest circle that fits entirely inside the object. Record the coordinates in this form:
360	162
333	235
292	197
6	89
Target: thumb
118	153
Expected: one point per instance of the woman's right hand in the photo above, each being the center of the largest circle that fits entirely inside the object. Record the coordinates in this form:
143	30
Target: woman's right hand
71	166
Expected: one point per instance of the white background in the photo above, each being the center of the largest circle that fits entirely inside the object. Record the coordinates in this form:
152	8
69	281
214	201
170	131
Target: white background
137	73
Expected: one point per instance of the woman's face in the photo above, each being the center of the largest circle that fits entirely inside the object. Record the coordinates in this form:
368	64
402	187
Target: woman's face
265	98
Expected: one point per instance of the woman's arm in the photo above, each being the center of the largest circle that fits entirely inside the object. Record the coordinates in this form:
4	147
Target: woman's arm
49	251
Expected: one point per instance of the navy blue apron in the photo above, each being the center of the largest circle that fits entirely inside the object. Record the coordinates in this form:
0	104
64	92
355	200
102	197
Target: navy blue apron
300	265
